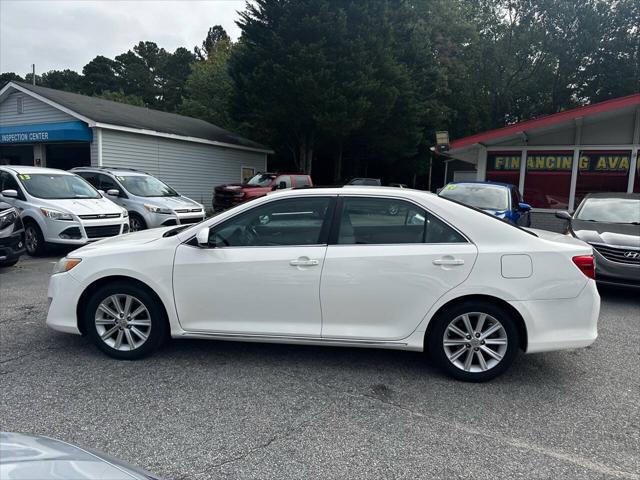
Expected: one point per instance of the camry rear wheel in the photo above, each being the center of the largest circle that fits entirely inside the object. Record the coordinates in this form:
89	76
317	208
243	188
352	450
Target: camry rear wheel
474	341
125	321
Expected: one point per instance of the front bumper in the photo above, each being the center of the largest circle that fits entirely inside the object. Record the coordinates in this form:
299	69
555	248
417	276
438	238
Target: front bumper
84	231
154	220
64	293
12	246
608	271
562	323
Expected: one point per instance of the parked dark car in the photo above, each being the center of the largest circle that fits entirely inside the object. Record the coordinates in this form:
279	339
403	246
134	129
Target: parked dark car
232	194
30	457
502	200
368	182
11	235
610	222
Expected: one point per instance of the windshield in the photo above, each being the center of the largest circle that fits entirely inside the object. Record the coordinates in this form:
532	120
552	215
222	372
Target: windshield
485	197
57	186
261	180
146	186
610	210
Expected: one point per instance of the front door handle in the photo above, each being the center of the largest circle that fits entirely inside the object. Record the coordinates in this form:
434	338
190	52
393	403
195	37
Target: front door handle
448	261
304	262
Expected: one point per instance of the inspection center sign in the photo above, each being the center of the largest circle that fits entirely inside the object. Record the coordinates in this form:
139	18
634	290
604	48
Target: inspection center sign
45	132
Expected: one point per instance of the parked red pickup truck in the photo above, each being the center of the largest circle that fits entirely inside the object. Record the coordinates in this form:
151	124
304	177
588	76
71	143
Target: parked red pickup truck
226	196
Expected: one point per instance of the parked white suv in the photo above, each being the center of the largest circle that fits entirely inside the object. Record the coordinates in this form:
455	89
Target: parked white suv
150	202
59	207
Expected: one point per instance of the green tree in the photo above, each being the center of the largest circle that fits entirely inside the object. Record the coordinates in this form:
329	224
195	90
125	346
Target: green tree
63	80
215	35
209	88
119	96
7	77
99	75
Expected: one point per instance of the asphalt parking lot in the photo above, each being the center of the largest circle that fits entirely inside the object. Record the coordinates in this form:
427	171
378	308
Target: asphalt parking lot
206	409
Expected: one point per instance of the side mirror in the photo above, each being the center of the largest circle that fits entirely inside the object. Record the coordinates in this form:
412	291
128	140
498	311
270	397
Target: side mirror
524	207
10	193
202	237
113	192
564	215
282	185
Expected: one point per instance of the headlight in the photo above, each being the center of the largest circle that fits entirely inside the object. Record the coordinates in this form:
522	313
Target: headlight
125	213
65	264
154	209
8	217
55	214
239	194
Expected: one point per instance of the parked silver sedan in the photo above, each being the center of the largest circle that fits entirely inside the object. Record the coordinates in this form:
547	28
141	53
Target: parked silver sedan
33	457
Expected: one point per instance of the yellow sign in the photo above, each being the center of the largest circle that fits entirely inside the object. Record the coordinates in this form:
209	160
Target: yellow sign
563	161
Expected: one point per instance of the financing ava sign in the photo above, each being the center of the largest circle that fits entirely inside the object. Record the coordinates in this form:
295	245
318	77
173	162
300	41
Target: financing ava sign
589	161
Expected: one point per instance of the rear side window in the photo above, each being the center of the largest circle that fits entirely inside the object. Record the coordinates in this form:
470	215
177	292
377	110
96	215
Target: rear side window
380	221
302	181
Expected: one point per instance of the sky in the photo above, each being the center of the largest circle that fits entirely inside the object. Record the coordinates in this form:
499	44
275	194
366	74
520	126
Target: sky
59	34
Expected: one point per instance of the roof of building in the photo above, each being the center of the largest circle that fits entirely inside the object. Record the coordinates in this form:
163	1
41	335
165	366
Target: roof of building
107	113
547	121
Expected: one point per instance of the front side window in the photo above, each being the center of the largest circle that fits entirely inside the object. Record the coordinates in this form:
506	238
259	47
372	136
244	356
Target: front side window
90	177
7	182
379	221
145	186
107	183
57	186
283	181
480	195
294	221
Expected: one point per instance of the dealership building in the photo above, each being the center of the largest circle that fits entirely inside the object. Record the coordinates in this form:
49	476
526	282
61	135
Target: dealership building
51	128
557	159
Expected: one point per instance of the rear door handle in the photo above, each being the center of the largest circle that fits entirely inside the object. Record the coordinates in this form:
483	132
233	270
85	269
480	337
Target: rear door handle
304	262
448	261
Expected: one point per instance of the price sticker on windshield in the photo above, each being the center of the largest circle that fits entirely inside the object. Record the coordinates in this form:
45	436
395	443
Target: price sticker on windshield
120	178
451	187
22	176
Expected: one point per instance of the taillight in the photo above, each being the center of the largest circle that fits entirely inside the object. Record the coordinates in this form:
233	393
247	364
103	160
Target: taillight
586	265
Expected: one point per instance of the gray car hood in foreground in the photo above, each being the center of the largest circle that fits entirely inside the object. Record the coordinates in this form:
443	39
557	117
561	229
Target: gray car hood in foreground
32	457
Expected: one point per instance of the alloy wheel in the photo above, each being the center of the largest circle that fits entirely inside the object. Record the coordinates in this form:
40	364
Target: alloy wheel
134	224
31	239
123	322
475	342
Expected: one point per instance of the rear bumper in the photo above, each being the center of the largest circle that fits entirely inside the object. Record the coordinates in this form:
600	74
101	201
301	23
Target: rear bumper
562	323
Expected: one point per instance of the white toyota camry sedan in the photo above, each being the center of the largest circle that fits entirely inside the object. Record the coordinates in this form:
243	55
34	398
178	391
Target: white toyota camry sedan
354	266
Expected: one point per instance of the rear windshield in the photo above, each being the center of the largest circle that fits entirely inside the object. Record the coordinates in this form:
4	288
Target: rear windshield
146	186
57	186
485	197
610	210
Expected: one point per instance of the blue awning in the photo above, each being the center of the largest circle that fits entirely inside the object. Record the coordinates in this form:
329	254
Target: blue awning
46	132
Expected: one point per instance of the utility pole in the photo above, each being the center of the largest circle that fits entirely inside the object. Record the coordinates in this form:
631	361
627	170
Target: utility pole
33	72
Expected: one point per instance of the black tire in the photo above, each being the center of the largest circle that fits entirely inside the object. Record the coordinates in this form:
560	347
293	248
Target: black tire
136	222
9	263
33	239
156	333
436	347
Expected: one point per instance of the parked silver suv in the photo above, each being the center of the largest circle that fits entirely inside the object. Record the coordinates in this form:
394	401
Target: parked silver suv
150	202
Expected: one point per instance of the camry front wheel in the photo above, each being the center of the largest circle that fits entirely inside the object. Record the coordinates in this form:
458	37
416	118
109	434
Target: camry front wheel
125	321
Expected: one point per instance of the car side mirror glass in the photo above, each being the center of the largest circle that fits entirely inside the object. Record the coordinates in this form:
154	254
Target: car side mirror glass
564	215
202	237
282	185
113	192
10	193
524	207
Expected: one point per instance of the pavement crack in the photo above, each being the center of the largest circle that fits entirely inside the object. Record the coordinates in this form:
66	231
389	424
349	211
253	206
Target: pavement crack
29	354
241	456
520	444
